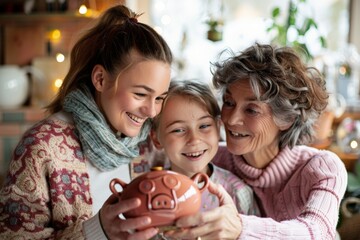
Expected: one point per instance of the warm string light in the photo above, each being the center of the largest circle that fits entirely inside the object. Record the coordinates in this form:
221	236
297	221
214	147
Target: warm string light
354	144
57	84
53	39
55	35
89	9
83	9
60	57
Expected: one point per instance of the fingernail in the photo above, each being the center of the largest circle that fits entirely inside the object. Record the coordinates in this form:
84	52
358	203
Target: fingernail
147	220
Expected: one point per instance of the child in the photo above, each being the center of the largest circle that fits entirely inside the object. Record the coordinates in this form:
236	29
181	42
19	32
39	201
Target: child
187	129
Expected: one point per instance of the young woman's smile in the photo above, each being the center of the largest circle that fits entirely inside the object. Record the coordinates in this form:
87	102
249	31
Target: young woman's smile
135	96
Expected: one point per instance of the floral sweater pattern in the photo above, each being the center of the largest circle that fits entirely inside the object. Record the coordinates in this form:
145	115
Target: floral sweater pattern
46	194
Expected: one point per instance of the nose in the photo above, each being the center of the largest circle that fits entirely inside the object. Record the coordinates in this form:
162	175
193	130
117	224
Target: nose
232	118
193	138
150	109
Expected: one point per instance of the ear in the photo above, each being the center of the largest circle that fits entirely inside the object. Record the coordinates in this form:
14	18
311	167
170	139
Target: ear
155	139
286	126
97	77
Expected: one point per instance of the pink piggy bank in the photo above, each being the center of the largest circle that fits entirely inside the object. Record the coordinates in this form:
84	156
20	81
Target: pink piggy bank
165	195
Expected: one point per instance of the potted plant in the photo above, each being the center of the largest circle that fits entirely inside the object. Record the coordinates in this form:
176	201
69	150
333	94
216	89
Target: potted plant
349	224
293	22
215	31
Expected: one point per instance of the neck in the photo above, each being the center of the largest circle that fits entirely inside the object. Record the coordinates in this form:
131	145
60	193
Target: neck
262	157
207	170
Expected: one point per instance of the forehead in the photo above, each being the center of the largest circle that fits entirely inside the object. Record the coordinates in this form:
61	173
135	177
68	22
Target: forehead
240	88
150	72
179	100
180	106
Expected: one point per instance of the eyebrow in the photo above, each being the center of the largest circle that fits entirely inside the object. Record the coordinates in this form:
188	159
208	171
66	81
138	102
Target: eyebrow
181	121
148	89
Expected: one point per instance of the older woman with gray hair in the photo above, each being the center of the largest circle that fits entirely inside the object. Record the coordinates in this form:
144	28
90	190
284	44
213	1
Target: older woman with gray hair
271	101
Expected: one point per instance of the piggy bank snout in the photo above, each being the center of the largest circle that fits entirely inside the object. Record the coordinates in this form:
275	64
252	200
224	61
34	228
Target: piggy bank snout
162	201
159	192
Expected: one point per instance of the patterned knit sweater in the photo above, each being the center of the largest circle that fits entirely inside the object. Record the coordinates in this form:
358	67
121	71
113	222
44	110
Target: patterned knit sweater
298	193
46	193
240	192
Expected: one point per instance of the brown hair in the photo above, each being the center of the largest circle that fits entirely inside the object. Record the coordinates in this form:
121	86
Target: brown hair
196	91
109	43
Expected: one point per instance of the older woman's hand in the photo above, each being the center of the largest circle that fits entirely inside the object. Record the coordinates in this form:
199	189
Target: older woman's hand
116	228
220	223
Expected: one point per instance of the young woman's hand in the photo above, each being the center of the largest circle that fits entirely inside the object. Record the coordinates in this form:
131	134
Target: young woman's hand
220	223
116	228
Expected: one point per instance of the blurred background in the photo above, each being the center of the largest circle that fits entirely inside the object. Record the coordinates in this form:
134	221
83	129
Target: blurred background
40	33
36	37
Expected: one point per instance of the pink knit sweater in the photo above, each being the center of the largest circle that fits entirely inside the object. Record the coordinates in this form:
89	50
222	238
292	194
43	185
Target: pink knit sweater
299	193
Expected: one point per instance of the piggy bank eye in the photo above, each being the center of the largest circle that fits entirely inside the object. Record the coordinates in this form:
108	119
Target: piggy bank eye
147	186
171	182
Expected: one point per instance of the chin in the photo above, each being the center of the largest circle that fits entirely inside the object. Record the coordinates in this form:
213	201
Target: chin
130	133
234	149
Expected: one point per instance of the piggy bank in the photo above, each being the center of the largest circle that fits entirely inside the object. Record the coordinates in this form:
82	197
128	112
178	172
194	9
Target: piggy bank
165	195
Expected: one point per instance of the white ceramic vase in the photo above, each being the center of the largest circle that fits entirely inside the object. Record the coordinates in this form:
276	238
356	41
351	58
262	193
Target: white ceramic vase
14	86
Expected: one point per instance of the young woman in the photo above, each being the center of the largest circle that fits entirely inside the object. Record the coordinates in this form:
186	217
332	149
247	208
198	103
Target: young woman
57	184
270	103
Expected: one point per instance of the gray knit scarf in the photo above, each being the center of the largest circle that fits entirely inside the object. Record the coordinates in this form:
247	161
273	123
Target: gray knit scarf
99	142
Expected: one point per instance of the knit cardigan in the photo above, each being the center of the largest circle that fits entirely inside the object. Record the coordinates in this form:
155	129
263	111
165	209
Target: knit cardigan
299	193
46	194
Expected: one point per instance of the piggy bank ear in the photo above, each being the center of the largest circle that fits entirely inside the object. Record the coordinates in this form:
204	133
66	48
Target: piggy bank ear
114	182
201	177
147	186
171	182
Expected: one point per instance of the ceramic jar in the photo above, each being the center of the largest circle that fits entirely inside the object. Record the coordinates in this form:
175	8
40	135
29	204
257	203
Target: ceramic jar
14	86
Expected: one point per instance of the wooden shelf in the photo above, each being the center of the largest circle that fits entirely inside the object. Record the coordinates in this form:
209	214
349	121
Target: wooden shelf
26	36
354	115
349	159
28	19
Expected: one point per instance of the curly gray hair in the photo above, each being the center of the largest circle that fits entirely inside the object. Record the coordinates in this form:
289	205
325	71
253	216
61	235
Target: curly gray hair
295	92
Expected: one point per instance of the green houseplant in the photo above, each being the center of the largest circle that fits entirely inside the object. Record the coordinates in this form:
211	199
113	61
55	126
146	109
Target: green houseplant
215	31
354	178
349	224
302	26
